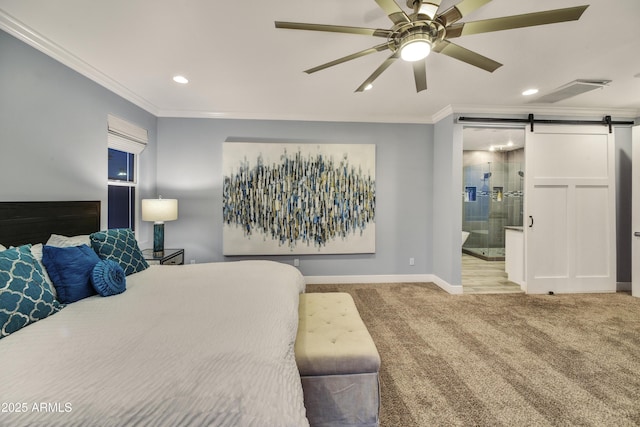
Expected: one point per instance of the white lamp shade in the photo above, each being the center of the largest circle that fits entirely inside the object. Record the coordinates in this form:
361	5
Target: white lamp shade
159	210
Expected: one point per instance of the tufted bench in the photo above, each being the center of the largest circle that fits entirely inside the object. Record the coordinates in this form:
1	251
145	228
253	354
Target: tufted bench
338	362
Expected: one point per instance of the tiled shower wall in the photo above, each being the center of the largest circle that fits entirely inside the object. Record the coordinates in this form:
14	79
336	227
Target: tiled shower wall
498	197
515	183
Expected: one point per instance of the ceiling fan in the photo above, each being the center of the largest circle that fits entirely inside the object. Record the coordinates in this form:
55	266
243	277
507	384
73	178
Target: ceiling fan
427	29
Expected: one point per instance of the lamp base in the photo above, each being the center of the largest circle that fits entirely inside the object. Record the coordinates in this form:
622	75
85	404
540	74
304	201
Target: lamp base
158	239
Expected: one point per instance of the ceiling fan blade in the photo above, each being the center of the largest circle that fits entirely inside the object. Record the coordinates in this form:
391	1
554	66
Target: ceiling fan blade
420	75
465	55
334	28
390	60
392	9
516	21
374	49
460	10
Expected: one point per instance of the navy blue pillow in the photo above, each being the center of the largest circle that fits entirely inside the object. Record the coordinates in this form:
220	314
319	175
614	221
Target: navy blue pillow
108	278
70	271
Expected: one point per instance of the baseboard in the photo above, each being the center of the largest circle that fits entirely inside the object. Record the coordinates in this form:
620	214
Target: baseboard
385	278
446	286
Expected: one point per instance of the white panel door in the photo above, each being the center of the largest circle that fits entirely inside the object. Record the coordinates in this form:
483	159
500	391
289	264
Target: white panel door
635	221
570	209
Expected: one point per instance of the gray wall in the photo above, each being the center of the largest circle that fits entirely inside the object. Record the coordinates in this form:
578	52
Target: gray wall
447	201
53	130
53	143
190	169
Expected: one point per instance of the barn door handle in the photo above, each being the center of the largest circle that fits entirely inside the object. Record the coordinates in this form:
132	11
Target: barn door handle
530	221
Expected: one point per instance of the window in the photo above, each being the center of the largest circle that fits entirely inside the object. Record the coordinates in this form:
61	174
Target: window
122	189
126	141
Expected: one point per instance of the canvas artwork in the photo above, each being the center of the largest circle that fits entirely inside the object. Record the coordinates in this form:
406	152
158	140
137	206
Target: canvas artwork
281	199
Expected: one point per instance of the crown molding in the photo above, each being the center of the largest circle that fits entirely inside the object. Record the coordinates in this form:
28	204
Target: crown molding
616	113
351	118
23	33
445	112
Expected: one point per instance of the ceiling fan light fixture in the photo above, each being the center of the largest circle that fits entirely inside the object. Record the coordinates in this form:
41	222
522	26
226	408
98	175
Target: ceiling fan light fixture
415	47
413	35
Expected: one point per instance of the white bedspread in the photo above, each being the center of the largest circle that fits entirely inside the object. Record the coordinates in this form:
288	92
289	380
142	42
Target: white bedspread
204	344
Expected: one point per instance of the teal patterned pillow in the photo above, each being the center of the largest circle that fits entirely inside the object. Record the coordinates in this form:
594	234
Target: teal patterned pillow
119	245
24	296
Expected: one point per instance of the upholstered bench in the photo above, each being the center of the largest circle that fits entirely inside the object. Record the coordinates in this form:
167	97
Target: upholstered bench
338	362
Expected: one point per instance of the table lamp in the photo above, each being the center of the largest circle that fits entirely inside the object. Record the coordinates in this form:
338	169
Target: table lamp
159	210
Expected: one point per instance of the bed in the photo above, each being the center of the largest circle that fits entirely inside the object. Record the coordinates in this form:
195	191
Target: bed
201	344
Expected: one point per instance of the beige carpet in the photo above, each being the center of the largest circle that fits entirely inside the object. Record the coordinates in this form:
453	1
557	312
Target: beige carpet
502	360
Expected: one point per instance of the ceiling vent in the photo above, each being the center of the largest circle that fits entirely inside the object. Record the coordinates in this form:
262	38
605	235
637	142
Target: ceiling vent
574	88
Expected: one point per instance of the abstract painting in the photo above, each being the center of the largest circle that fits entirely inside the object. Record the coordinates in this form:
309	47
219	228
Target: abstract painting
281	199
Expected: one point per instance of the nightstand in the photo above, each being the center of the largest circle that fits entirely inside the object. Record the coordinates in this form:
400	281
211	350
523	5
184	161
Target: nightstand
166	257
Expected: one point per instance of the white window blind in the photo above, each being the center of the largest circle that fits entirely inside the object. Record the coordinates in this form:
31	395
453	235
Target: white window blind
125	136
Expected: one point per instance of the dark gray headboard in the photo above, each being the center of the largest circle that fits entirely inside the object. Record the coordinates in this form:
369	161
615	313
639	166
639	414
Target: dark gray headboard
34	222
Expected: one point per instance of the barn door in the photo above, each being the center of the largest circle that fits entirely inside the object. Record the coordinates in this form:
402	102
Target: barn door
570	210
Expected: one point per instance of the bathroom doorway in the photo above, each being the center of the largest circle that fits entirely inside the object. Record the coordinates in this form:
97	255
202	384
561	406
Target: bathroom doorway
492	202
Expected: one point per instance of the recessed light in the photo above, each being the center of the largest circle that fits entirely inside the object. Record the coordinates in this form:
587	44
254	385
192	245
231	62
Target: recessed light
530	92
180	79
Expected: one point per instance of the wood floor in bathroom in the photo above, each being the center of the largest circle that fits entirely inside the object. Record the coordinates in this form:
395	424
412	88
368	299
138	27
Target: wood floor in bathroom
485	277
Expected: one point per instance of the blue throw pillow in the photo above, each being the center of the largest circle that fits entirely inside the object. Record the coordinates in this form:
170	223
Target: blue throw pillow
70	271
119	245
108	278
24	296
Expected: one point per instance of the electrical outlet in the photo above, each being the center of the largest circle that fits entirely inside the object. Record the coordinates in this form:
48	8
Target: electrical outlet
193	261
412	261
296	262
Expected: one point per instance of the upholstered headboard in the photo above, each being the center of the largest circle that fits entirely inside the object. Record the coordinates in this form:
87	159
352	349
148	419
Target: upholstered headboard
34	222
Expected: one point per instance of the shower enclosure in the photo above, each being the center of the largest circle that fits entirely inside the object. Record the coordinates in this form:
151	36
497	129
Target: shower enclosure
492	199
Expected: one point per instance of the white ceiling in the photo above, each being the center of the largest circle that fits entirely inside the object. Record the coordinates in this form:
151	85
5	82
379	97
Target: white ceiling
240	66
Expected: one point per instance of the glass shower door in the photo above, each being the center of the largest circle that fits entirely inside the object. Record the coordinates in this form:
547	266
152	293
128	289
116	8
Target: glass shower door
476	206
